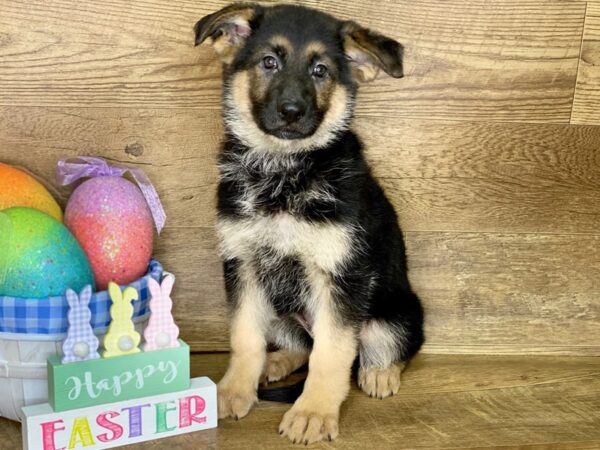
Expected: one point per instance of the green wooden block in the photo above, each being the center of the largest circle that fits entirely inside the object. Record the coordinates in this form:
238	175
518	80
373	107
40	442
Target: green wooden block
127	377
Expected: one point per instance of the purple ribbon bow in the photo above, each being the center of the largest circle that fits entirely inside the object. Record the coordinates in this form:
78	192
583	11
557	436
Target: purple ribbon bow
70	170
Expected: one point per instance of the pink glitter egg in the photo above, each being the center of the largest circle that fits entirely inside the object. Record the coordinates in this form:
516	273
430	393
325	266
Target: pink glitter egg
111	220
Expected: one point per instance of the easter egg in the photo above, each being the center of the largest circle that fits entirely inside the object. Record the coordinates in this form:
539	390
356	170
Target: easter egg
110	218
40	257
17	188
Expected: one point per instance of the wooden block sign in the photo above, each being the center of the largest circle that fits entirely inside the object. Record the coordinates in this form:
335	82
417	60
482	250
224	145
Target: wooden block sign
101	381
122	423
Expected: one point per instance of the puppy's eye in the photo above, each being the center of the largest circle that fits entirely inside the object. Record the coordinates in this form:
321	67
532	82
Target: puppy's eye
269	62
319	71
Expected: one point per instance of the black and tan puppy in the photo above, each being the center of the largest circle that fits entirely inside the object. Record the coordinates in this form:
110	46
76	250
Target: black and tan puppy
314	257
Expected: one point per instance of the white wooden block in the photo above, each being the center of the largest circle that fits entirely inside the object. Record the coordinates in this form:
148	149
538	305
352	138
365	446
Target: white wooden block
34	393
122	423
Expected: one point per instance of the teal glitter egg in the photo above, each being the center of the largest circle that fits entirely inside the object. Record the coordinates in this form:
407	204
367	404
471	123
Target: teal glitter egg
39	257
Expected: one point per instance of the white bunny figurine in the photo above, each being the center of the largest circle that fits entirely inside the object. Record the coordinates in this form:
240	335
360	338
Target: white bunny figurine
161	331
81	343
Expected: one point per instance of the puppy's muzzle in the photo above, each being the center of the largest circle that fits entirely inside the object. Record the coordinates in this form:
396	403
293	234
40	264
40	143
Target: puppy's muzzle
291	111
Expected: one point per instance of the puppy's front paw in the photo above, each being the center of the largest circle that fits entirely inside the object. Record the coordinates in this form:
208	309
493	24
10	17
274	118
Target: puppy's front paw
234	402
380	383
304	426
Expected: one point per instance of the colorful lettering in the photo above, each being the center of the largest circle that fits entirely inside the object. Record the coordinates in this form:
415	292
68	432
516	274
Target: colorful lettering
81	433
122	423
162	409
93	388
75	391
104	421
186	417
48	430
135	419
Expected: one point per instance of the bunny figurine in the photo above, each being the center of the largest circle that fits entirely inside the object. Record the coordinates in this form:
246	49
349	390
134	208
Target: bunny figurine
161	331
121	338
81	343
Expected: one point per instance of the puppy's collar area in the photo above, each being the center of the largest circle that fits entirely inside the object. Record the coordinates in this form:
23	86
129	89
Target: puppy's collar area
262	142
281	149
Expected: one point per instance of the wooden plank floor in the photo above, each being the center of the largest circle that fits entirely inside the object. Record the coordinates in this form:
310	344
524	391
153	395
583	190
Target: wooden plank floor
445	402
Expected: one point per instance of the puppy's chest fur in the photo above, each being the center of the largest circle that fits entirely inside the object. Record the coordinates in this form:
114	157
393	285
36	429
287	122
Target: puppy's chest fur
266	184
273	239
273	210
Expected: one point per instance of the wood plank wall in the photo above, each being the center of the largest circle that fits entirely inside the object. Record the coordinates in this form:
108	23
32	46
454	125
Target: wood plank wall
488	148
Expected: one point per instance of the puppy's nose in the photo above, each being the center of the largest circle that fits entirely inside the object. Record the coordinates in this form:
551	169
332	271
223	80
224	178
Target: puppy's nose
291	111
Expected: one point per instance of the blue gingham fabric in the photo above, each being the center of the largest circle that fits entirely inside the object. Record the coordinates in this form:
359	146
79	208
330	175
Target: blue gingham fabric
46	318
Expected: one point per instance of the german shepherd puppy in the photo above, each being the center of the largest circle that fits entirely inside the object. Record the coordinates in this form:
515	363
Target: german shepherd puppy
314	259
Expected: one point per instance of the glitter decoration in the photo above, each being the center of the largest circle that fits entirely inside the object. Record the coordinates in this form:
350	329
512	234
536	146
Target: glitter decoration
18	188
39	256
110	218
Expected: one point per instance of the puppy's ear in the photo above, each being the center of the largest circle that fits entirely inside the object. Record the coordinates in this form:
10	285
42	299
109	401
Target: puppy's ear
228	28
368	51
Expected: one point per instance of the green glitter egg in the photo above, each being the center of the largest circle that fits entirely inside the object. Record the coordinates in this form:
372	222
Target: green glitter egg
39	257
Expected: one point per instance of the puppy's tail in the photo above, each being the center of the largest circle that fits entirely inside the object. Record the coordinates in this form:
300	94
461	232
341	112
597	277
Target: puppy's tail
289	393
283	394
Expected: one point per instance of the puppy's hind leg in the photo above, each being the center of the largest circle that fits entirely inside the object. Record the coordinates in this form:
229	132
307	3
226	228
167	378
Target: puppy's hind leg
382	357
380	368
282	363
388	342
294	345
250	320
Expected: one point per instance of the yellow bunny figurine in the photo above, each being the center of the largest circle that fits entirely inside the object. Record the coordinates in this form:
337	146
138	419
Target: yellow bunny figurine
121	338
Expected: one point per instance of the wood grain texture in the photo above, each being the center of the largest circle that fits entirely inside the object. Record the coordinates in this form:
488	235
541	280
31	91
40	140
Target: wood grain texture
444	402
440	176
487	177
501	218
501	293
505	60
586	103
176	148
199	306
484	293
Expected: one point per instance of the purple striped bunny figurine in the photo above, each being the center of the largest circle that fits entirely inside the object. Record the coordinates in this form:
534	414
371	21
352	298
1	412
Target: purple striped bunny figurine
161	331
81	343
